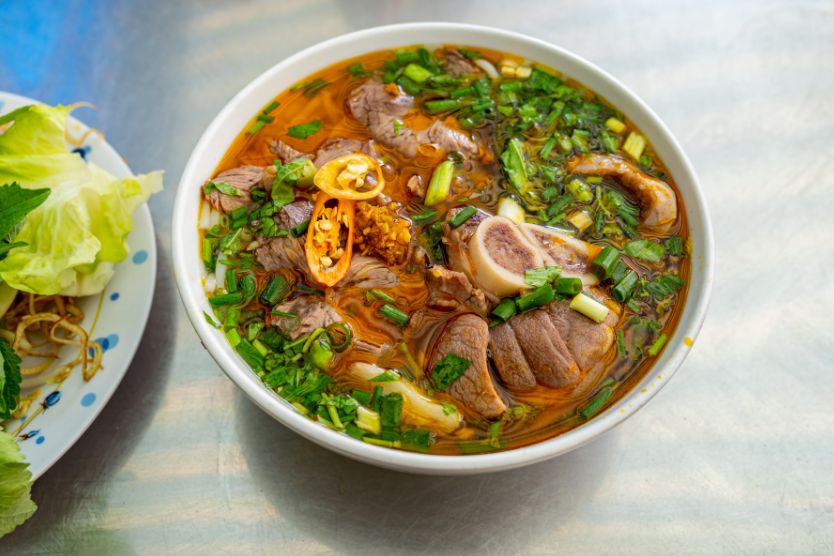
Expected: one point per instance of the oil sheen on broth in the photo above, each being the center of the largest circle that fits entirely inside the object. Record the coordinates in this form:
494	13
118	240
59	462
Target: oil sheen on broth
525	144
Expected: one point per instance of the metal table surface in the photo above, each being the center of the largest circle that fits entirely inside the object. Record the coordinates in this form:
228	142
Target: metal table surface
736	455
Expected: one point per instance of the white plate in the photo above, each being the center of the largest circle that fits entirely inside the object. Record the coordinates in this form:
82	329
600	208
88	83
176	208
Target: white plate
116	318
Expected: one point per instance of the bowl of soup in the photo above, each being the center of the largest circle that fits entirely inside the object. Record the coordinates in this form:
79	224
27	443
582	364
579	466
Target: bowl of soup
442	248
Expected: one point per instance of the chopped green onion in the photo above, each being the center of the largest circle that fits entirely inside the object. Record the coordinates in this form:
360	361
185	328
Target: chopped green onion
462	216
368	420
210	320
674	246
386	376
424	216
312	88
231	280
381	442
416	73
256	127
321	354
233	336
417	438
621	347
283	314
253	329
266	119
619	272
445	105
276	289
664	285
568	286
262	349
270	107
357	70
226	299
634	145
657	345
645	249
345	332
624	289
548	147
300	229
580	190
457	93
392	313
597	402
380	295
605	262
589	307
247	286
538	297
392	410
208	252
232	316
441	181
506	309
362	397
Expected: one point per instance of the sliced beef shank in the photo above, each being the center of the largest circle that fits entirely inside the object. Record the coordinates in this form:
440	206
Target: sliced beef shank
466	336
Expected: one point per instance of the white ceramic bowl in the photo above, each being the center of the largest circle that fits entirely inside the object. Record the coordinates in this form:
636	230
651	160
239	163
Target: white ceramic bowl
262	90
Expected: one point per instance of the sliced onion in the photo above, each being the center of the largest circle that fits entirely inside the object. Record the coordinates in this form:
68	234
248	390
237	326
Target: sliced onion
220	275
487	66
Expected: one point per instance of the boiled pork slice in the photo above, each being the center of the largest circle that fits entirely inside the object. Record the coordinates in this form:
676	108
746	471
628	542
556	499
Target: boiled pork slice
466	336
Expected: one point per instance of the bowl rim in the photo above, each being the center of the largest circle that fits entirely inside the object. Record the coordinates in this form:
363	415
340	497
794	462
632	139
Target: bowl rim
191	294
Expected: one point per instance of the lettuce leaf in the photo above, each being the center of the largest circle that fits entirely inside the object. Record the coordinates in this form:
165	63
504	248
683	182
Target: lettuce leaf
16	505
74	239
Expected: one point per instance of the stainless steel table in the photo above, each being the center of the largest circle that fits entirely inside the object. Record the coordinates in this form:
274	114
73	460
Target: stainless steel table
736	455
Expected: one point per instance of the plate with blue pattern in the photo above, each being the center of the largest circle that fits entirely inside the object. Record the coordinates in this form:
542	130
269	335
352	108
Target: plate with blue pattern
60	412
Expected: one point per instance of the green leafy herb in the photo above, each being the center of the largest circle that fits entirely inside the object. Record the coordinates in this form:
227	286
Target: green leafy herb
287	176
448	370
9	379
223	187
303	131
15	203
